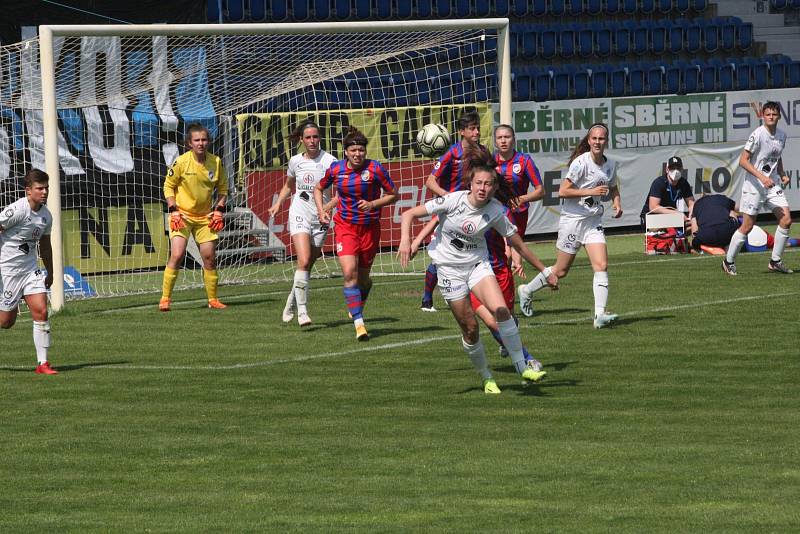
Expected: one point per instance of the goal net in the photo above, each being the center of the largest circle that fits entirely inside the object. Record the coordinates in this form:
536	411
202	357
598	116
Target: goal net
124	97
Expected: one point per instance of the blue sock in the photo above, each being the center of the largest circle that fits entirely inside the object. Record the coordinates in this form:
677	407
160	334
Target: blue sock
431	278
496	336
352	298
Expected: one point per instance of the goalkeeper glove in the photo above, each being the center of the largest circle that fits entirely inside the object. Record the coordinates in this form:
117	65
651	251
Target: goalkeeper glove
176	219
216	221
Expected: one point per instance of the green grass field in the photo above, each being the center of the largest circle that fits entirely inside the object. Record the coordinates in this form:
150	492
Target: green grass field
682	418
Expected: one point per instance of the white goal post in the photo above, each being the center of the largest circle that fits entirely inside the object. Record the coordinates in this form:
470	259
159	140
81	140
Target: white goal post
355	55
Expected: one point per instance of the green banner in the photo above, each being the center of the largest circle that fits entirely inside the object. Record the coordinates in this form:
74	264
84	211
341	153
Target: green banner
264	137
668	120
115	239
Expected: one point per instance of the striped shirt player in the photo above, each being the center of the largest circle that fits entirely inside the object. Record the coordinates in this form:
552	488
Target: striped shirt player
521	173
24	237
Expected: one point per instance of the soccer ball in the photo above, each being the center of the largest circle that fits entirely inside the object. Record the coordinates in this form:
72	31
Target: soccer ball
433	140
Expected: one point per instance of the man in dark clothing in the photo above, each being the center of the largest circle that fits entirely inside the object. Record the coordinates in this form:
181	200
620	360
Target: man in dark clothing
713	221
667	190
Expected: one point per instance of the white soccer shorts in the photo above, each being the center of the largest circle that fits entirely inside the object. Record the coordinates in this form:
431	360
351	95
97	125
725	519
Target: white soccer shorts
16	287
298	224
455	283
574	233
753	198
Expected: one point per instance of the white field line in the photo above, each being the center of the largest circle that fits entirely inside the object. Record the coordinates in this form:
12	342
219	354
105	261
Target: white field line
422	341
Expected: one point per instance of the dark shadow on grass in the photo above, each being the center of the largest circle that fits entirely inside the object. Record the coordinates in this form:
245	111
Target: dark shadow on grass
555	311
532	390
367	320
555	366
651	318
67	368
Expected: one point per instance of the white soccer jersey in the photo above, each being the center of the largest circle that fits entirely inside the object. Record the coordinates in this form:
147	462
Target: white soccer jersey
586	174
22	229
765	151
307	173
460	235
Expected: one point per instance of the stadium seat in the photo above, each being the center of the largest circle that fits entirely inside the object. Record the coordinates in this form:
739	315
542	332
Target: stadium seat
760	72
574	7
341	9
613	7
442	8
463	9
639	37
690	75
383	10
404	9
744	35
567	40
502	8
793	74
561	83
658	37
541	86
617	78
708	77
777	74
710	35
594	7
424	8
537	9
483	8
585	40
725	76
779	4
299	10
654	80
743	75
598	88
549	42
603	39
675	36
630	7
212	11
682	5
647	6
636	81
693	35
672	79
580	82
235	10
727	32
557	7
621	39
529	42
258	11
322	9
521	89
665	6
363	10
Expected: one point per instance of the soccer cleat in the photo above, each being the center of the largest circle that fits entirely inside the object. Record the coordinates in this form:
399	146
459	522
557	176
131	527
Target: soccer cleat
427	306
490	387
215	304
779	267
729	268
534	364
603	320
532	376
288	314
361	333
303	319
163	304
525	300
45	369
503	352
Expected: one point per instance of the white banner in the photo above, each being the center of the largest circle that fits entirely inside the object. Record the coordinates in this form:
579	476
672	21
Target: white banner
707	131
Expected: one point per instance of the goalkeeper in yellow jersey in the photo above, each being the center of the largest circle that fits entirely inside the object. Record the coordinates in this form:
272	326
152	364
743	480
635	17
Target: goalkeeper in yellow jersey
189	190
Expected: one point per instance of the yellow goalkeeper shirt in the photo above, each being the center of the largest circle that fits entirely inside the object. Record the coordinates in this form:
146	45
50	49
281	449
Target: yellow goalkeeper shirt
193	183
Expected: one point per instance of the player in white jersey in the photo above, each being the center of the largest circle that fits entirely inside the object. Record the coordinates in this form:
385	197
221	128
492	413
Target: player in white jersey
763	187
591	178
24	225
304	172
461	257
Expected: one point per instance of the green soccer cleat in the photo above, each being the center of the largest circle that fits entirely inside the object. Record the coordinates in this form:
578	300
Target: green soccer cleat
490	387
533	376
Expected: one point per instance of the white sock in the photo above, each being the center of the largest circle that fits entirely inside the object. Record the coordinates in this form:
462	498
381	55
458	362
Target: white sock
600	288
477	354
509	333
290	300
301	290
735	246
539	281
781	236
41	339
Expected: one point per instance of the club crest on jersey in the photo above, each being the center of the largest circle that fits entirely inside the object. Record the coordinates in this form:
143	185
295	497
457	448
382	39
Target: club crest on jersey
36	233
516	168
308	178
439	200
9	212
468	227
438	164
365	175
171	171
210	175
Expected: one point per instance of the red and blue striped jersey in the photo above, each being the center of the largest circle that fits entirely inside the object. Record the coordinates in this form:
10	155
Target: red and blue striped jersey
449	170
496	245
520	172
353	186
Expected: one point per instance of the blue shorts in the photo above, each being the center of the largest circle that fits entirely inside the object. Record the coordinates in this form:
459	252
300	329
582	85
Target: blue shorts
718	235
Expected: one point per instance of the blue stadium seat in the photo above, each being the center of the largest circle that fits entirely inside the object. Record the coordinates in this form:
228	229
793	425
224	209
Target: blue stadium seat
561	83
793	74
363	10
322	9
341	9
537	9
603	39
424	8
727	32
693	35
580	82
743	76
636	80
658	36
299	10
613	7
708	77
483	8
594	7
639	36
541	86
529	42
779	4
745	35
630	7
710	35
557	7
617	79
501	8
404	9
647	6
699	5
760	72
675	35
672	79
621	39
548	39
574	7
690	76
682	5
665	6
585	40
442	8
777	74
212	11
235	10
383	10
258	11
654	79
725	76
463	9
521	89
567	40
598	87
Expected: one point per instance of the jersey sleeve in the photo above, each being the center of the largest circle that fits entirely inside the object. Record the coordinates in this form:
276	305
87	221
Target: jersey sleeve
752	143
532	171
439	205
10	217
576	171
383	178
656	189
327	179
503	224
443	166
686	189
173	179
222	182
612	174
290	169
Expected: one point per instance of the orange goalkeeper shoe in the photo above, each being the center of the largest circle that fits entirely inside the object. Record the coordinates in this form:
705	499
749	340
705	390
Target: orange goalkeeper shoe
45	369
163	304
216	304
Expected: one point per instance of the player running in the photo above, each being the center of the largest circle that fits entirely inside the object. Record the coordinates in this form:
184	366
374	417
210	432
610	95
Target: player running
359	183
763	186
189	190
304	172
25	224
461	256
590	178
